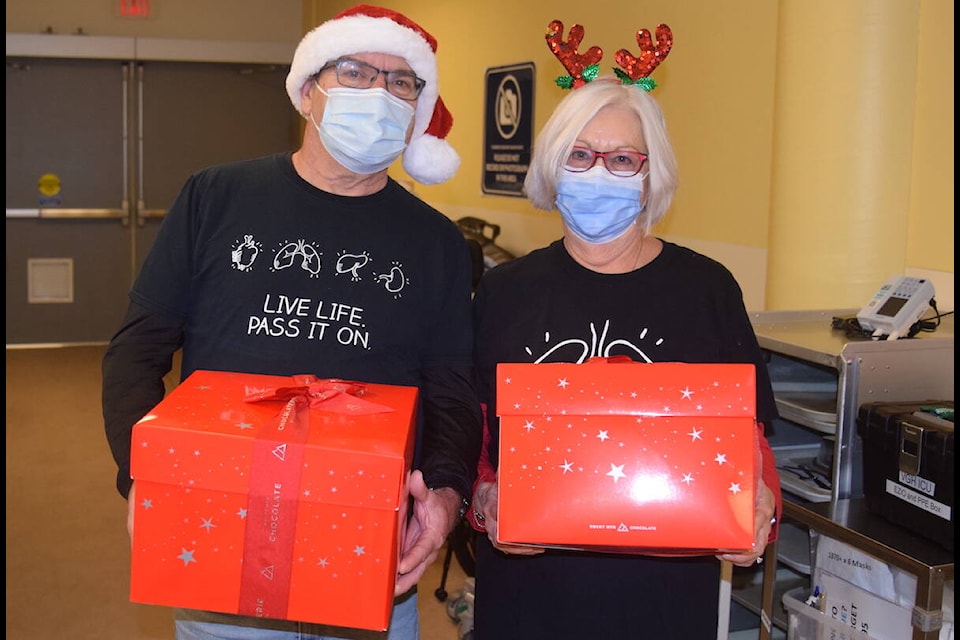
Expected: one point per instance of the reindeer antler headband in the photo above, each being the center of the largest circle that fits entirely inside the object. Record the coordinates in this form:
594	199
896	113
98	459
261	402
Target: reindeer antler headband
584	67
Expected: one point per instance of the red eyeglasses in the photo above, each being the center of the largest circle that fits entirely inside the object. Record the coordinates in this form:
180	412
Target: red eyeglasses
620	162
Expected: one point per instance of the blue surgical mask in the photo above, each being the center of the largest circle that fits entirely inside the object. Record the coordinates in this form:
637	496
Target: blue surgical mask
597	206
365	130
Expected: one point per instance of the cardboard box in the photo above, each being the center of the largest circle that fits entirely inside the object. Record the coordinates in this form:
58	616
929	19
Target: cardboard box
862	593
807	622
626	456
860	611
863	570
273	497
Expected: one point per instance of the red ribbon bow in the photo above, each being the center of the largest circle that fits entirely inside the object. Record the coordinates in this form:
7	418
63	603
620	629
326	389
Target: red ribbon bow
330	394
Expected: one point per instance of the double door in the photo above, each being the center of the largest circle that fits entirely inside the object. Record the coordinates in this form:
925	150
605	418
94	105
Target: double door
97	149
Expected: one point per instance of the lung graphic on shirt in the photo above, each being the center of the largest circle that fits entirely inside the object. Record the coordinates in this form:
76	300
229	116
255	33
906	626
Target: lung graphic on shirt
287	256
596	344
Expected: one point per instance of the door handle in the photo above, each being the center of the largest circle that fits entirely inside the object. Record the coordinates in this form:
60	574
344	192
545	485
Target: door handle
142	212
53	213
98	214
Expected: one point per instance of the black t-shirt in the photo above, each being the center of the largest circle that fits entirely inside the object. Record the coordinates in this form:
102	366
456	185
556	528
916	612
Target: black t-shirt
255	270
272	275
545	307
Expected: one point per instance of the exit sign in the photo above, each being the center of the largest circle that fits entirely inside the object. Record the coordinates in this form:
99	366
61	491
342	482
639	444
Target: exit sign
134	8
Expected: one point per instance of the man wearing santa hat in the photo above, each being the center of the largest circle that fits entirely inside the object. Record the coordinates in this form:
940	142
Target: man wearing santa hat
381	281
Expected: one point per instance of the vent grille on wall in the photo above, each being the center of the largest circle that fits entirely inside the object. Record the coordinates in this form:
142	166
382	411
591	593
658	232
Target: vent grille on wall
49	280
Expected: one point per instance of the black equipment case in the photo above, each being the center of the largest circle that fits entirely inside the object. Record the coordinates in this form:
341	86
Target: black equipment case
908	468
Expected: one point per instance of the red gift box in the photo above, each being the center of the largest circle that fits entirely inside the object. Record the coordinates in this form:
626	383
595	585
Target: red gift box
272	496
628	456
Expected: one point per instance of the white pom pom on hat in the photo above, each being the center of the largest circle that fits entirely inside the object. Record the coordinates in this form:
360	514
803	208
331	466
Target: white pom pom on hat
428	158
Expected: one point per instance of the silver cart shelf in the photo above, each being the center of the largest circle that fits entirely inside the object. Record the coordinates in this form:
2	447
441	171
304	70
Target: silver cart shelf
851	522
821	376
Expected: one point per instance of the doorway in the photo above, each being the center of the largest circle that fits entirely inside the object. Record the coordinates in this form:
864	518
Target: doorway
97	150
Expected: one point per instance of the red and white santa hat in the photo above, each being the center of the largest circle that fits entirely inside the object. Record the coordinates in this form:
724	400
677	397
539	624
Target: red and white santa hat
428	158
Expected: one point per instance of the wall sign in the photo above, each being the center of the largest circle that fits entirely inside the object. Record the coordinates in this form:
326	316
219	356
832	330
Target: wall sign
508	128
134	8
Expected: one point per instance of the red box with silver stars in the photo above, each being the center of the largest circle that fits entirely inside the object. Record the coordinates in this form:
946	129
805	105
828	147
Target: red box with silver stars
272	496
628	457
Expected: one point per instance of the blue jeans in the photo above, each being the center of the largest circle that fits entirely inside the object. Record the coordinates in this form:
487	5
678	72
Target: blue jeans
205	625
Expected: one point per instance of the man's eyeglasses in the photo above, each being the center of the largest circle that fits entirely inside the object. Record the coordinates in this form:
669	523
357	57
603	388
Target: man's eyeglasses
621	162
360	75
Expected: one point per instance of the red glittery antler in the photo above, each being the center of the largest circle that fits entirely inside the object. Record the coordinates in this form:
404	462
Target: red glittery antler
583	67
637	69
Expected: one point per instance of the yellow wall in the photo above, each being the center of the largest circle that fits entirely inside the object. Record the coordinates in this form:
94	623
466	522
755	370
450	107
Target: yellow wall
721	89
930	237
720	120
846	150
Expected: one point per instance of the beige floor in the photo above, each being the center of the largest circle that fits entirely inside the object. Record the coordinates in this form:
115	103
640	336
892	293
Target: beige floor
67	548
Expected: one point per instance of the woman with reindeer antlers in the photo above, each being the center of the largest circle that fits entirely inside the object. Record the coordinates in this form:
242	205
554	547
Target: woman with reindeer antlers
608	287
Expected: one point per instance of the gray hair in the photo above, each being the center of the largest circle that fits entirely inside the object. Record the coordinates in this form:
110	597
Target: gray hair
556	140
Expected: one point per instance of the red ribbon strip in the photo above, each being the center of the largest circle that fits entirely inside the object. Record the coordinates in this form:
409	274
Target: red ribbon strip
275	471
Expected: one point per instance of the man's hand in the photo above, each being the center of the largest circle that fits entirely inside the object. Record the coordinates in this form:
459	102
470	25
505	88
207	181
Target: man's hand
431	521
485	502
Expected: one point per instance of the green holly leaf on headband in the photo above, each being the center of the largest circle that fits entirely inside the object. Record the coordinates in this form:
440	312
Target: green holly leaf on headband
590	73
647	84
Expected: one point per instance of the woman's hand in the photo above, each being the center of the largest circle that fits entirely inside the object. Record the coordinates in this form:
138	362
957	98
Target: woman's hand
764	518
485	504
